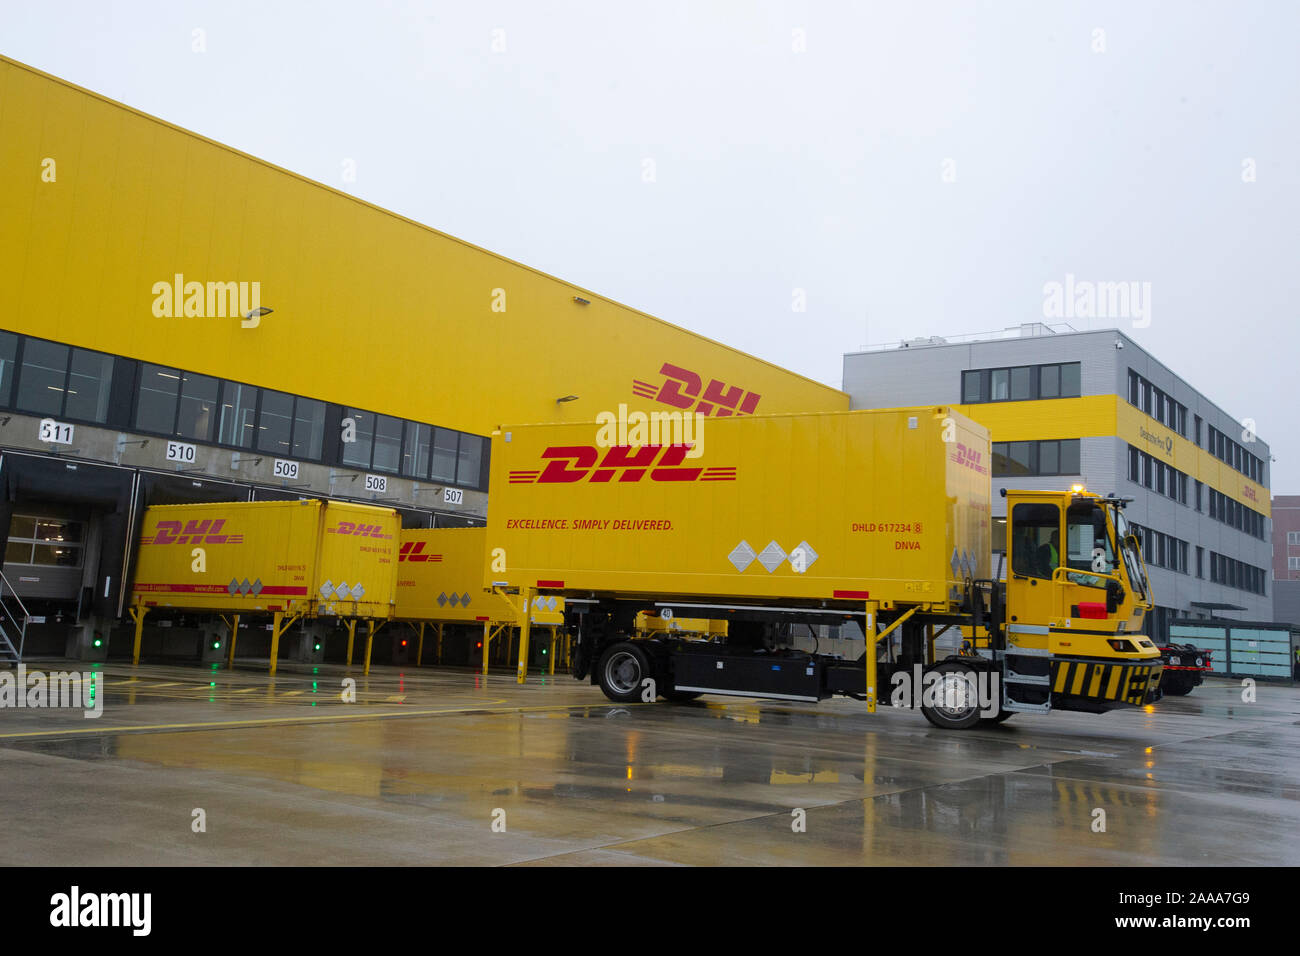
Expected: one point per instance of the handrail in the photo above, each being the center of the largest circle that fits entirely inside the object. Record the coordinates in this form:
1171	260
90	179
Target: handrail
21	626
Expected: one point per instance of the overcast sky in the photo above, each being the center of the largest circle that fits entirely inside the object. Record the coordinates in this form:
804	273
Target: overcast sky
916	168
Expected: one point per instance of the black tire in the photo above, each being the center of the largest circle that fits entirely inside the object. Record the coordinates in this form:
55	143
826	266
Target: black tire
681	696
1002	716
954	719
1179	687
621	670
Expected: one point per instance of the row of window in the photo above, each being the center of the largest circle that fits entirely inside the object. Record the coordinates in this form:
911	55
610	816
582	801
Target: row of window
1158	404
1293	537
1163	550
80	385
1052	457
1020	383
1293	564
1235	456
1158	476
1237	574
1236	515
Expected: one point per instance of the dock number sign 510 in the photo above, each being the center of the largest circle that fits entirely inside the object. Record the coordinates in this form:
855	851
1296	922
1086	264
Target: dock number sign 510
180	451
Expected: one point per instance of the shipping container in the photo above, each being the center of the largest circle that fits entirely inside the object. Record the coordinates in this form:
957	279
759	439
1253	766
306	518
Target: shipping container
821	507
440	579
296	557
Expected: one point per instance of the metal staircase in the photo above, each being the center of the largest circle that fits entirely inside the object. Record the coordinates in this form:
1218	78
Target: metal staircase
13	624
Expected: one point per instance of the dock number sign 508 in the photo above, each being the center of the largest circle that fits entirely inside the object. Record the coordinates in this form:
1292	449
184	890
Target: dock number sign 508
376	483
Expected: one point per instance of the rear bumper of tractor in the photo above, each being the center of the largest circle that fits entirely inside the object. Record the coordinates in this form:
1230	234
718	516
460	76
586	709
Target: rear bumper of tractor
1095	686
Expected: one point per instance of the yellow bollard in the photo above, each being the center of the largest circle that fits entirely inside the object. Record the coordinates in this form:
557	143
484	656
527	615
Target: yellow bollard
275	640
137	614
370	642
352	633
869	632
234	633
525	625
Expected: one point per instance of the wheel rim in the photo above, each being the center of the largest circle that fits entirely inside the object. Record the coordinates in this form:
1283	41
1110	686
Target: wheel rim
623	672
956	696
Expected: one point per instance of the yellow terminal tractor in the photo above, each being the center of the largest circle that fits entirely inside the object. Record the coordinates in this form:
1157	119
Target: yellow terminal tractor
774	523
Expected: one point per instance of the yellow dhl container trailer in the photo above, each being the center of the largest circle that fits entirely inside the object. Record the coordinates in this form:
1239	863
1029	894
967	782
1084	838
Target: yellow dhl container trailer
772	522
295	557
440	579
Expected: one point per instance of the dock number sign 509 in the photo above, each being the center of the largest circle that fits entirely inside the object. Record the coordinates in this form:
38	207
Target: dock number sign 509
376	483
285	469
180	451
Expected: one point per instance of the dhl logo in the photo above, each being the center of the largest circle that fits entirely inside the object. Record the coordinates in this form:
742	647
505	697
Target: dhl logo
969	458
628	462
414	551
359	530
206	531
682	387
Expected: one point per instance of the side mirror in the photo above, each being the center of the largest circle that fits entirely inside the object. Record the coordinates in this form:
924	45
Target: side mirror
1114	596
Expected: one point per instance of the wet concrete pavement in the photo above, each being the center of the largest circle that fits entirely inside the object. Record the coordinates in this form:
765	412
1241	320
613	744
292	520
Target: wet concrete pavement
425	762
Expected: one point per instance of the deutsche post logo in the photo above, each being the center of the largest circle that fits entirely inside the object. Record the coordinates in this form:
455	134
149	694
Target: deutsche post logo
623	463
682	388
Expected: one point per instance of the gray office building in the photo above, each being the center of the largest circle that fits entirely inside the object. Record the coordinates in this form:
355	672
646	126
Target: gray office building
1064	407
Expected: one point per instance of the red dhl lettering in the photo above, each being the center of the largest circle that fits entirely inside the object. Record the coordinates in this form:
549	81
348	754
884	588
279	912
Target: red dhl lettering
682	388
1249	492
359	530
192	532
413	551
624	463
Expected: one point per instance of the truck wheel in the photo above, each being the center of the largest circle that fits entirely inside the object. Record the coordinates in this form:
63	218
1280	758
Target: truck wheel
958	703
1179	687
621	670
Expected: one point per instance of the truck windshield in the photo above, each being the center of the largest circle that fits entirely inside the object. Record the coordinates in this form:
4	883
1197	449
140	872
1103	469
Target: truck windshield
1132	561
1088	545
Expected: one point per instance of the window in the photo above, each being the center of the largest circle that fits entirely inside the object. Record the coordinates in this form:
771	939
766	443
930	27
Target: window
42	378
388	443
275	423
1135	465
416	449
971	387
238	419
1089	546
308	428
1134	388
155	409
1293	564
1049	381
1199	486
469	460
1200	561
198	407
89	380
8	353
999	390
1035	550
1293	537
444	455
1021	384
1197	419
52	542
357	452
